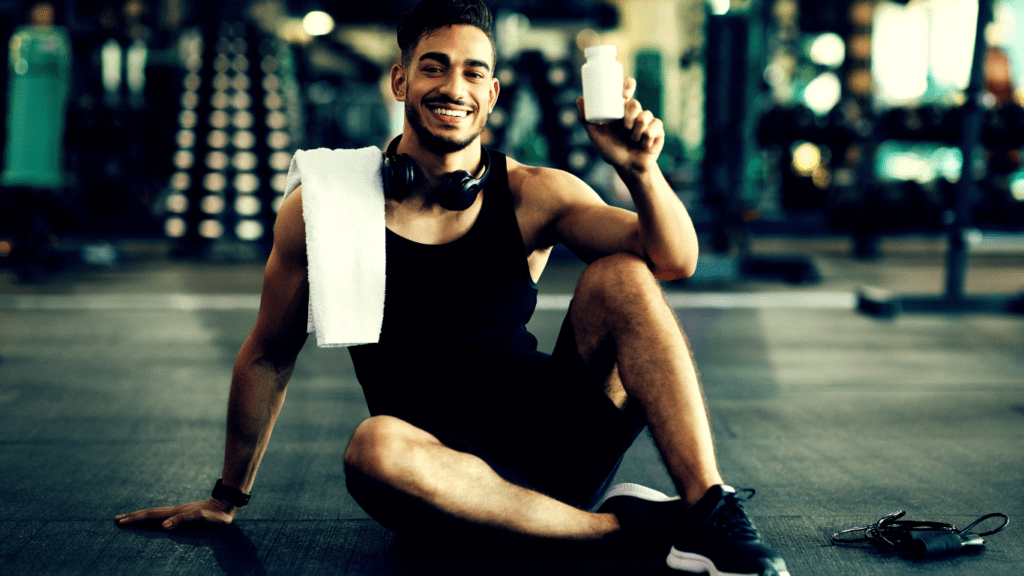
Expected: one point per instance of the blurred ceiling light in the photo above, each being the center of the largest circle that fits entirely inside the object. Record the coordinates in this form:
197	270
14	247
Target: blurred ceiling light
244	161
187	119
899	59
136	67
243	120
828	49
110	65
177	203
806	158
318	23
246	182
180	181
719	7
823	93
174	227
247	205
1017	189
211	229
280	161
278	182
214	182
249	229
183	160
212	204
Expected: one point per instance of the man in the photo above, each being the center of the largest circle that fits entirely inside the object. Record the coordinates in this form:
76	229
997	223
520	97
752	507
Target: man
472	428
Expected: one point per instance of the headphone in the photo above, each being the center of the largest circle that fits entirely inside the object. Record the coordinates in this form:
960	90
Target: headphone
458	189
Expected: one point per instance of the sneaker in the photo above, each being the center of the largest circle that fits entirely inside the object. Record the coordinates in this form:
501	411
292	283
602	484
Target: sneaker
715	536
647	518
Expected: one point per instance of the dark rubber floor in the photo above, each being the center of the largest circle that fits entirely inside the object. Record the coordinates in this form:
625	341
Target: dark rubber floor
113	388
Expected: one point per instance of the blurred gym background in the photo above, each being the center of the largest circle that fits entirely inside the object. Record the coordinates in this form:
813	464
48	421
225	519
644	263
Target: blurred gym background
166	127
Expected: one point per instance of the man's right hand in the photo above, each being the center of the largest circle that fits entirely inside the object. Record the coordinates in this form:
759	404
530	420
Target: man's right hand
207	512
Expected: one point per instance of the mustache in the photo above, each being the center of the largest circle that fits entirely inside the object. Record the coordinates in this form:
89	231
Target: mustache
451	101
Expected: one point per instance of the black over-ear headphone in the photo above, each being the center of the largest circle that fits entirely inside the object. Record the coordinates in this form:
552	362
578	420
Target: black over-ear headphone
458	189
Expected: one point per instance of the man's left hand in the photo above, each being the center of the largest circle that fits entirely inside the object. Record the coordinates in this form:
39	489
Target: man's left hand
633	143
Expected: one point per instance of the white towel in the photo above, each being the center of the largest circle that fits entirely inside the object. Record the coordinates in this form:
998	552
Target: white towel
343	205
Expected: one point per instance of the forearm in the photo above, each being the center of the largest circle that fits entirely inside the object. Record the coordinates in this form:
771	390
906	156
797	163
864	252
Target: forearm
257	394
666	235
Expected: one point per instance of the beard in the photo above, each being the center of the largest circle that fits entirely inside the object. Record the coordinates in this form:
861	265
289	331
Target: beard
441	143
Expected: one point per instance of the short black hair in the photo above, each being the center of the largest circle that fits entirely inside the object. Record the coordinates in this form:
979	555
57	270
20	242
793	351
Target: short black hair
431	15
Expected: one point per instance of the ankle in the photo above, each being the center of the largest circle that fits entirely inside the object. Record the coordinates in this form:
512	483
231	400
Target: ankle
694	491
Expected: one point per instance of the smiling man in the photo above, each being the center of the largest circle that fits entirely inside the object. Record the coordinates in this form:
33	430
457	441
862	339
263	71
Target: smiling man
473	430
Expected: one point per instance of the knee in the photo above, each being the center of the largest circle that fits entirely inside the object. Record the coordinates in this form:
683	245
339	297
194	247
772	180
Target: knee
375	447
621	276
384	471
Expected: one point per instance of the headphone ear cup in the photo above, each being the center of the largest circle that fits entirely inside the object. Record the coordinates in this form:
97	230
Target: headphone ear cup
460	191
398	174
461	188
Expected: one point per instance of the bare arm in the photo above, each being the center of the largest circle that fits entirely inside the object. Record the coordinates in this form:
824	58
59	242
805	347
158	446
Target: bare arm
262	370
660	231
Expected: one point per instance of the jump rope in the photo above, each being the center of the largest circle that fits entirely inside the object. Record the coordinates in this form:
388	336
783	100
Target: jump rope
920	539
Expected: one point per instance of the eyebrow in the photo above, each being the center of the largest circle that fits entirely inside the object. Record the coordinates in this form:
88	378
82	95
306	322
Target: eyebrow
444	59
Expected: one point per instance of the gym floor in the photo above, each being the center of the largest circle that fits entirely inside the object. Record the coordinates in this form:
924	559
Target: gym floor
113	386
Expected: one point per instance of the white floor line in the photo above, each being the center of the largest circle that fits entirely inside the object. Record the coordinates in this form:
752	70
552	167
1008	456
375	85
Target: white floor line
545	302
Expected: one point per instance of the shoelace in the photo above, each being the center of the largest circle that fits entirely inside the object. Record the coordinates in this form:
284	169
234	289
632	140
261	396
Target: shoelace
729	518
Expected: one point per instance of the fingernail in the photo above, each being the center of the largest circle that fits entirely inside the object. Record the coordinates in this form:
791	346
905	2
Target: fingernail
168	525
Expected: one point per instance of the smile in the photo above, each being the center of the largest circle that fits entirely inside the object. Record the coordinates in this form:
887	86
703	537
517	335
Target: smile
449	113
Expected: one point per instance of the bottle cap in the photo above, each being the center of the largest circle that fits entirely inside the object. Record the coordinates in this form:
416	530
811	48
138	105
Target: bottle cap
603	51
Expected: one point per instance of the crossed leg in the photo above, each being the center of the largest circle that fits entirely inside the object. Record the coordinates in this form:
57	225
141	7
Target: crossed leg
628	336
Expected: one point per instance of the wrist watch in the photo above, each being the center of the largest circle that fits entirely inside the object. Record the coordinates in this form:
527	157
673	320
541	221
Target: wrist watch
228	494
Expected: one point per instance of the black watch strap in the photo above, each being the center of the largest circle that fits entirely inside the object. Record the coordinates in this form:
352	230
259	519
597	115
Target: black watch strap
229	494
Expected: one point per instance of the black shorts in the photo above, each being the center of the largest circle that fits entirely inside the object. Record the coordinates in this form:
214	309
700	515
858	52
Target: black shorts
559	433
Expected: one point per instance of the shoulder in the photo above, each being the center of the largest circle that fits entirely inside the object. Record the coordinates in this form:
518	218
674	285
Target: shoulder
544	198
290	227
547	186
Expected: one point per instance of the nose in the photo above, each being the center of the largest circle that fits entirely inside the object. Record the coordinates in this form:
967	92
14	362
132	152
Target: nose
454	87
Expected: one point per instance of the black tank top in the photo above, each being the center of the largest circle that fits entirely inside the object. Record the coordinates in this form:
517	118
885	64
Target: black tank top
454	340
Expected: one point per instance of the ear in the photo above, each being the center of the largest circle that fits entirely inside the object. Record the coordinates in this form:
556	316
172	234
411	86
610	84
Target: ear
495	89
398	82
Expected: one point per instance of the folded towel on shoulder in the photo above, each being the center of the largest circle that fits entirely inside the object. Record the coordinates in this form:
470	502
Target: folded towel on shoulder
343	206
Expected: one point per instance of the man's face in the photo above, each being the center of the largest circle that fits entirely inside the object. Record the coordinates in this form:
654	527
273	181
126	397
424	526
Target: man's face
449	87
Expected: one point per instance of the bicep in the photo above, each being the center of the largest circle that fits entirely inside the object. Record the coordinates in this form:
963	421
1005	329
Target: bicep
591	228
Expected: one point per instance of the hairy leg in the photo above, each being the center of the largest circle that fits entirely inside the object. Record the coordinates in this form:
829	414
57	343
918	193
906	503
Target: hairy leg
409	481
629	336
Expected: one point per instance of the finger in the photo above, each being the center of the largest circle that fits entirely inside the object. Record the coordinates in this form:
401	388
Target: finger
641	125
579	104
654	136
147	514
175	521
630	113
628	87
188	515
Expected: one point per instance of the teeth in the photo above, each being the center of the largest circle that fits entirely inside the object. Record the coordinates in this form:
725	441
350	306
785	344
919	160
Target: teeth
452	113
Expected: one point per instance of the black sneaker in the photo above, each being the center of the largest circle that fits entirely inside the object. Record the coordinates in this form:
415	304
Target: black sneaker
715	536
647	517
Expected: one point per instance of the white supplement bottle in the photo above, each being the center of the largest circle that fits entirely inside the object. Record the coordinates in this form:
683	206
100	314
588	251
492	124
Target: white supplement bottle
602	85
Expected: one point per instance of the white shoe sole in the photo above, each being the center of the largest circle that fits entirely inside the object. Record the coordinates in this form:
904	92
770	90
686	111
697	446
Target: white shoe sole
697	564
637	491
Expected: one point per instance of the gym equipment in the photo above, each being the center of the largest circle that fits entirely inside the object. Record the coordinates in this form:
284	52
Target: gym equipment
921	539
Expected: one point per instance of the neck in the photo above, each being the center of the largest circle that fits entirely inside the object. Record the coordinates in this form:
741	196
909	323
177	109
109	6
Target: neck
434	166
